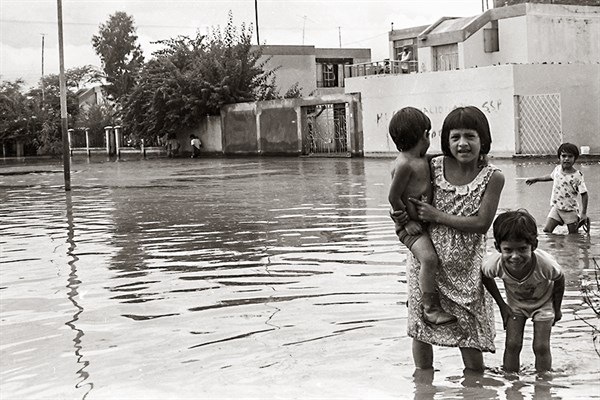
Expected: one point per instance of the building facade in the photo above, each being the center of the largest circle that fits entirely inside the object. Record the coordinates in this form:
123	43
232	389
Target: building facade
532	68
316	71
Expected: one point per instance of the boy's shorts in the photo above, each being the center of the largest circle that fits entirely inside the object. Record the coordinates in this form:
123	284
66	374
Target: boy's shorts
563	217
543	313
406	239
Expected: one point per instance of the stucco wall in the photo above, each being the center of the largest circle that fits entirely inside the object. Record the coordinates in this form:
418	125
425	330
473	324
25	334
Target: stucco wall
436	94
282	127
276	126
291	69
564	34
511	34
493	90
579	89
239	129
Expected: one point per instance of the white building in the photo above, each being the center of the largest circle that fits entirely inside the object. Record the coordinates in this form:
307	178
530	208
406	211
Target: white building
533	68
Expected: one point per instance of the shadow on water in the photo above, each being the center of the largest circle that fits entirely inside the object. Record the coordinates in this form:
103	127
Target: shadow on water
244	278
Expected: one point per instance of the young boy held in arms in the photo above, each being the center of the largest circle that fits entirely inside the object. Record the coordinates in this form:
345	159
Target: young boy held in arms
409	129
534	286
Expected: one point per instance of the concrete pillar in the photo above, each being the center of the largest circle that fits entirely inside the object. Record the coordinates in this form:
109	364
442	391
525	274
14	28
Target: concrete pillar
70	139
143	148
87	141
107	131
118	140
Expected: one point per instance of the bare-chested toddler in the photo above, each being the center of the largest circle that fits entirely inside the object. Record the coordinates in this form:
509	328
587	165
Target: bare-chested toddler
411	178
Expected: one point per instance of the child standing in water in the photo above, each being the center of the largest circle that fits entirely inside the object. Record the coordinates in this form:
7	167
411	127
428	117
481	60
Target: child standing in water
534	286
466	192
568	184
409	129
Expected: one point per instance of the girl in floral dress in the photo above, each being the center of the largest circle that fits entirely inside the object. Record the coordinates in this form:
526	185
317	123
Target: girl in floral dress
466	192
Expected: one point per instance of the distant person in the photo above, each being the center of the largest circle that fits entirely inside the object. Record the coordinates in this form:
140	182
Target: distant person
196	144
568	185
405	57
409	129
533	283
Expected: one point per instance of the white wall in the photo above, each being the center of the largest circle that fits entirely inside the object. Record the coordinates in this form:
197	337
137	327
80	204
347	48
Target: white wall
512	34
579	89
292	69
493	90
436	93
564	38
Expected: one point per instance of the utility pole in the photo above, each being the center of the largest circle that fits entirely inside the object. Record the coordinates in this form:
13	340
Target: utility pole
63	101
340	35
256	15
303	29
43	85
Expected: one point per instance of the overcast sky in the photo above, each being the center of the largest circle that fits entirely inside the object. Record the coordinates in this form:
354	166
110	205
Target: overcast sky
363	24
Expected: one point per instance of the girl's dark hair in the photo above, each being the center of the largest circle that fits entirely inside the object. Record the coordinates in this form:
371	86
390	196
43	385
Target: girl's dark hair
407	127
568	148
515	226
467	118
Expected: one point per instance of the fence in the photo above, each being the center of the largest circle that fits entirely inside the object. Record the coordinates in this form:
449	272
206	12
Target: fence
540	124
113	142
381	67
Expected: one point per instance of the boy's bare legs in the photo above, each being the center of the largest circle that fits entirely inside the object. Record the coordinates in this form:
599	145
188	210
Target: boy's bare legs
514	343
433	313
472	358
422	354
573	228
550	225
541	345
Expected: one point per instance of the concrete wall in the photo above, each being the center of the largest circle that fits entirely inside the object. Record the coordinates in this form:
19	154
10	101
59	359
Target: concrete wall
492	89
579	89
527	33
276	126
293	69
436	94
297	64
239	129
209	132
563	34
279	130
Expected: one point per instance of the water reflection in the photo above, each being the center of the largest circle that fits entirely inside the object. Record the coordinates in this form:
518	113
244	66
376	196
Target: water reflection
72	294
265	278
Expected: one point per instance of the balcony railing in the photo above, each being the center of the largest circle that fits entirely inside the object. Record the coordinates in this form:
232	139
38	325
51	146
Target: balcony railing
381	68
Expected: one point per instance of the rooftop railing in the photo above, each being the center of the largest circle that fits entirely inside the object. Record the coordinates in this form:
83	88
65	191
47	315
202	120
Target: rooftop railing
381	68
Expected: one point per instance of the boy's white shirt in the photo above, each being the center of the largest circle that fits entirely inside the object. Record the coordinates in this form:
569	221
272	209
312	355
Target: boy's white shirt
565	189
533	290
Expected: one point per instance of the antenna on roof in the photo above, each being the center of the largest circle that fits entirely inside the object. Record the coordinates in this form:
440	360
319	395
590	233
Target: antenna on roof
303	27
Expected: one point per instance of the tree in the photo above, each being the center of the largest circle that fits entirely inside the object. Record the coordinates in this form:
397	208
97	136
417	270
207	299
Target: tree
193	77
15	112
121	56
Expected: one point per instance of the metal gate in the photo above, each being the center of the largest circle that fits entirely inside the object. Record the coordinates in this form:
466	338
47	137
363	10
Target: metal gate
540	124
326	130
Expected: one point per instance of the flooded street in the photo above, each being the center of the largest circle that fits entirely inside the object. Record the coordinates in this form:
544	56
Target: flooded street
266	278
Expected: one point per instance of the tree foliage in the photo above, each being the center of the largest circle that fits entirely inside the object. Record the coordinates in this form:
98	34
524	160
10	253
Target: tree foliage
121	56
15	113
34	117
193	77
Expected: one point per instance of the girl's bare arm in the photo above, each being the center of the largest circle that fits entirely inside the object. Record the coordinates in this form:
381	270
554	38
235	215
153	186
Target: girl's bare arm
479	223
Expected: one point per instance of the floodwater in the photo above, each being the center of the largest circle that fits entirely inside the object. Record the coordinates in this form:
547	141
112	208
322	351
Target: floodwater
266	278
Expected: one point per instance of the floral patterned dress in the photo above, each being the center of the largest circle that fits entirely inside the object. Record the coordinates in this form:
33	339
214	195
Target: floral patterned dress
459	277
